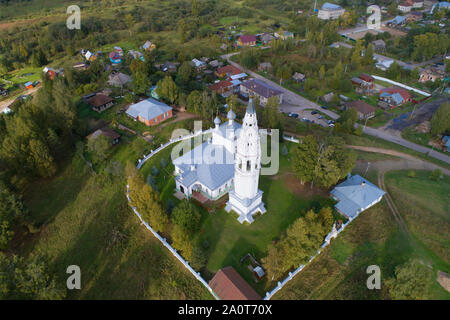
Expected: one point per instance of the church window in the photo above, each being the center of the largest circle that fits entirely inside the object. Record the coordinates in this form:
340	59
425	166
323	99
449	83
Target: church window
248	165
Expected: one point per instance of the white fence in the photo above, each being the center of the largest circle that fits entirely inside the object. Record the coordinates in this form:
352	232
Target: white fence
196	274
291	275
171	141
402	85
172	250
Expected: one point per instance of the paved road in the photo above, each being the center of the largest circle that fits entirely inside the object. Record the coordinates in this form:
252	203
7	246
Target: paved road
292	102
398	140
296	103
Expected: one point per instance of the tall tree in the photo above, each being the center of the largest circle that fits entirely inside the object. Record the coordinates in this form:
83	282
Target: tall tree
440	122
304	159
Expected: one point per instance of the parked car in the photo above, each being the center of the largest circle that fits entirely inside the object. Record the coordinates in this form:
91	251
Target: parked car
324	107
320	117
314	112
330	122
293	115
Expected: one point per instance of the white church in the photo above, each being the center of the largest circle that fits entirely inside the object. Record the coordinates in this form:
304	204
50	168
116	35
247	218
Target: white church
229	162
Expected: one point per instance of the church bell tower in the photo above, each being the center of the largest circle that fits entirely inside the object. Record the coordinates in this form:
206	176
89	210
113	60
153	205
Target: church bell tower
246	199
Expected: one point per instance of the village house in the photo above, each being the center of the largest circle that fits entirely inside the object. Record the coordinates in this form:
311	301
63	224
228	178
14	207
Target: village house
150	111
267	38
215	63
364	84
107	132
198	64
90	56
405	6
168	66
446	143
379	45
118	79
221	87
260	89
284	35
3	90
246	41
29	85
365	111
355	195
431	74
149	46
100	102
265	66
52	73
415	16
229	285
330	11
328	97
299	77
227	71
393	97
136	55
383	63
397	21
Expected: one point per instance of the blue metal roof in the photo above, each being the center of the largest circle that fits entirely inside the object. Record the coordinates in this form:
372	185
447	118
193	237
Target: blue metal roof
398	20
355	195
209	164
330	6
148	109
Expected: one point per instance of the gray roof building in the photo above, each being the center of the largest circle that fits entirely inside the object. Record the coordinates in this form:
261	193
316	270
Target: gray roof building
261	88
355	195
147	109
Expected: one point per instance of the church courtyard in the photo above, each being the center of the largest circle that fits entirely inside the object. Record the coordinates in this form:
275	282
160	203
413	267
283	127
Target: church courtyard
225	240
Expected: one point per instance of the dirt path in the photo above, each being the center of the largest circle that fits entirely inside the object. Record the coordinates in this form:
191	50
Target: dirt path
180	116
5	103
406	162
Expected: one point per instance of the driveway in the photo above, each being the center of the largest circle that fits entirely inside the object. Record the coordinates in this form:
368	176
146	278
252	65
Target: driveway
8	102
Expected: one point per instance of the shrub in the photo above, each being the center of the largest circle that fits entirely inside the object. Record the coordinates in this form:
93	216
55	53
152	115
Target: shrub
411	174
435	174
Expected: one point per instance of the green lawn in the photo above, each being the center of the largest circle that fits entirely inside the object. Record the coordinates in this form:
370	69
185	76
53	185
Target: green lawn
229	240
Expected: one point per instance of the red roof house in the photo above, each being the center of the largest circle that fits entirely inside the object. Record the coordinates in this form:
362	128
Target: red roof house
246	40
221	87
229	285
403	92
228	71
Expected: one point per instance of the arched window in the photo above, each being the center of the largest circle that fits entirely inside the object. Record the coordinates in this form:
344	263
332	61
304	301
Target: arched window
248	165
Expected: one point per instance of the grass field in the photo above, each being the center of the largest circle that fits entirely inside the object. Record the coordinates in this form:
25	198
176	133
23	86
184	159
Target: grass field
375	239
85	220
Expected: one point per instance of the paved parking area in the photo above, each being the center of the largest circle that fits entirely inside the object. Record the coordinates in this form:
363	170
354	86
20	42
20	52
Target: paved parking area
312	117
